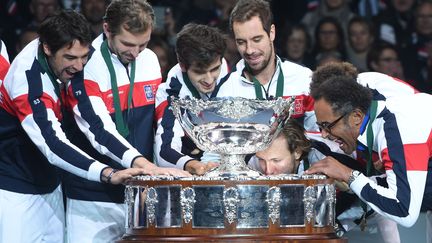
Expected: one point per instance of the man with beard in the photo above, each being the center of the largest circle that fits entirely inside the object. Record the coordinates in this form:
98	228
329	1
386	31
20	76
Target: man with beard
261	74
395	128
114	108
201	66
32	142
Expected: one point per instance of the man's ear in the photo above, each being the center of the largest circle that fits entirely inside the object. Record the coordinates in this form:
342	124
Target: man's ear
356	117
183	67
46	49
272	33
106	30
297	154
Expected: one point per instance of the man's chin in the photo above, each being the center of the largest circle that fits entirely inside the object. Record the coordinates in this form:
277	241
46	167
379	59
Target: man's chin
127	60
65	78
255	68
346	149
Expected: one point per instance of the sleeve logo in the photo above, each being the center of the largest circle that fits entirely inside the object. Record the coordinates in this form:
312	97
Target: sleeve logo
148	90
298	106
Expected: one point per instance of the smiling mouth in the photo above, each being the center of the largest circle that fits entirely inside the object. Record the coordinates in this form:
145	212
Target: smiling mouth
206	85
253	59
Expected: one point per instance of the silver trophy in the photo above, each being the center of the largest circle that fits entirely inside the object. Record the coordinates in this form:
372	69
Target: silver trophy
232	202
232	127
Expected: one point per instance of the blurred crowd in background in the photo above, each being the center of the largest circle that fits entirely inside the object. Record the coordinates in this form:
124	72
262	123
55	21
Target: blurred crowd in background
389	36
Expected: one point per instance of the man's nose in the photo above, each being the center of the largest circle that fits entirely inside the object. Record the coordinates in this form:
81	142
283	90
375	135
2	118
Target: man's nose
135	51
250	48
324	133
208	79
79	63
269	170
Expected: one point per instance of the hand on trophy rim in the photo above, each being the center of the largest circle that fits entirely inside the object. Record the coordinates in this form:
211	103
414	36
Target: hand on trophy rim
166	171
197	167
152	170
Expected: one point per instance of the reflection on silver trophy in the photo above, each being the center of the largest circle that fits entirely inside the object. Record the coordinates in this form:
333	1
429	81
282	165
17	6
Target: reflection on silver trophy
232	128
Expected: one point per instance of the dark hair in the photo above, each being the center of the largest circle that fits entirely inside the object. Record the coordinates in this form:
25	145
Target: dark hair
376	51
244	10
135	16
329	70
296	139
82	2
343	95
199	44
63	28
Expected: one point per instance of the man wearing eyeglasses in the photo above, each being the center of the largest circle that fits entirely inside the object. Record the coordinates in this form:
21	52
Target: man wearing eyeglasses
395	128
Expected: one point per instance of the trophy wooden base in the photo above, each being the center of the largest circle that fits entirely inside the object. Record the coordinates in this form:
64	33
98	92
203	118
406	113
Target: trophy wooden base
329	238
239	211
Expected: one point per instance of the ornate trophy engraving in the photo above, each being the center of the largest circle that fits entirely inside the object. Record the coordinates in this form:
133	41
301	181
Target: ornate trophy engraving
309	200
151	204
273	201
231	199
187	201
232	127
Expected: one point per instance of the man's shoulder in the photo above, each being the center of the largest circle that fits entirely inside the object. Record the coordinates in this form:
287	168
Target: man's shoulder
26	60
174	72
294	68
148	56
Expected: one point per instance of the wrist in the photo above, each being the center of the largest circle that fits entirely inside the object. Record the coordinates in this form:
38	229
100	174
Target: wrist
106	174
135	161
190	164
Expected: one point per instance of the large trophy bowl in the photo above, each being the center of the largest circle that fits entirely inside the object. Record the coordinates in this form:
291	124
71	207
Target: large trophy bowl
232	127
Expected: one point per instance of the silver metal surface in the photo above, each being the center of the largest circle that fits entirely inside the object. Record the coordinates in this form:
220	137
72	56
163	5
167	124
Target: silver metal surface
292	208
168	208
187	201
331	201
252	209
230	200
208	211
246	206
151	201
309	200
232	127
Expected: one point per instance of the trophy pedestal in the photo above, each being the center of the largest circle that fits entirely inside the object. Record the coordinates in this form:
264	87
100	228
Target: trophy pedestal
285	208
235	239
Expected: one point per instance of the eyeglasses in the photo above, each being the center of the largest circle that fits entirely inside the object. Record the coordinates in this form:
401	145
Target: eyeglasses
327	126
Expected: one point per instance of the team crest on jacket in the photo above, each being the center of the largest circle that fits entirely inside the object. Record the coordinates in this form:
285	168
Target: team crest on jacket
148	90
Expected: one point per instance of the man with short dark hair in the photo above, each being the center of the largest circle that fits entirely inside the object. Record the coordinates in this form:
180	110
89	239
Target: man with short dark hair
32	142
201	66
396	128
261	74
